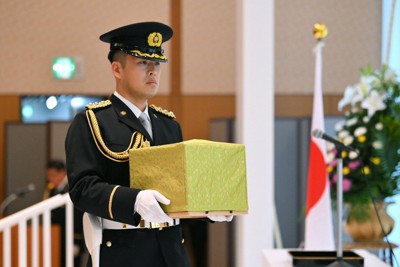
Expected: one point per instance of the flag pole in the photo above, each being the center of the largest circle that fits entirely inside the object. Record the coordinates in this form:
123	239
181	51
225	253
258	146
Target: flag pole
320	32
318	220
319	245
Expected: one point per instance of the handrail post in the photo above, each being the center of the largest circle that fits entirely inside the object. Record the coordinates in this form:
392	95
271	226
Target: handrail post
7	247
46	239
35	241
69	235
33	214
22	244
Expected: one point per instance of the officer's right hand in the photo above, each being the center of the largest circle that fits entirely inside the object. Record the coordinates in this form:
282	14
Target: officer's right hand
148	207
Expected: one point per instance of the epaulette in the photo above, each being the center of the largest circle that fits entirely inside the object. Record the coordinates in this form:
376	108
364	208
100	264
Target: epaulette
163	111
100	104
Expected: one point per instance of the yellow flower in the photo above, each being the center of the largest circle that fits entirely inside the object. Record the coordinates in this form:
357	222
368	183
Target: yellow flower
367	170
361	138
346	170
344	154
329	169
375	160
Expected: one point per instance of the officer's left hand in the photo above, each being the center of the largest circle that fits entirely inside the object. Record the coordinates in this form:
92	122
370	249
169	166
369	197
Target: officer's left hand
220	218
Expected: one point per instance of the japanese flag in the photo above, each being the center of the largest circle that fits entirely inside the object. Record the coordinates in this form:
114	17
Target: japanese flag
318	223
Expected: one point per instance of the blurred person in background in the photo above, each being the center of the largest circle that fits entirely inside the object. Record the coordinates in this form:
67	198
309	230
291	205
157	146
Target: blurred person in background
57	183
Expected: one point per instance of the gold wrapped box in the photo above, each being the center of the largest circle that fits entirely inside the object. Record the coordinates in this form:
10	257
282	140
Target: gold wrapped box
199	177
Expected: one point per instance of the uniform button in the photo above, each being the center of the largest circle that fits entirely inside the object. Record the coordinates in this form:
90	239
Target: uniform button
183	240
108	244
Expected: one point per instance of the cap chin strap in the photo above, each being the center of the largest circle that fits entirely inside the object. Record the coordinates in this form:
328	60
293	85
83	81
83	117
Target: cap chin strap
154	56
145	53
123	47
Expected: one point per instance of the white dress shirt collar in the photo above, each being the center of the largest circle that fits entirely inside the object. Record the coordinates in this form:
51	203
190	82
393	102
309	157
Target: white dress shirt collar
132	107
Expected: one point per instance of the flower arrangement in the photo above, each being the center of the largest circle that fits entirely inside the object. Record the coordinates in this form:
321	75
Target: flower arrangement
371	127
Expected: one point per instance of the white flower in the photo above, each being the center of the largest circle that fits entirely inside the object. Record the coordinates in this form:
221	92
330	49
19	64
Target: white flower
330	146
353	155
359	94
377	144
379	126
339	125
330	157
360	131
352	121
348	140
374	102
365	119
363	90
349	93
390	76
369	82
343	134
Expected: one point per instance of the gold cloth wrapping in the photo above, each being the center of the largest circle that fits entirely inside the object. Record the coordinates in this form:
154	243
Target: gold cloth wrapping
198	176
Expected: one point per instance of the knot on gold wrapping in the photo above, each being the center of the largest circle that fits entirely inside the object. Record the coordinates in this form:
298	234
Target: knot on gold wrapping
320	31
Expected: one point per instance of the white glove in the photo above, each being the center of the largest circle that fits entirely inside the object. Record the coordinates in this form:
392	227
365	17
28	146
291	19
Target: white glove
147	206
221	218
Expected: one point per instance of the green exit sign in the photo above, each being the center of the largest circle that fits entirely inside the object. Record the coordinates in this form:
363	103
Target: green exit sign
65	68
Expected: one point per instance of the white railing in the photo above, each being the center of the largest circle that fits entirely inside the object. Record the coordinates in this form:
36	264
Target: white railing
32	214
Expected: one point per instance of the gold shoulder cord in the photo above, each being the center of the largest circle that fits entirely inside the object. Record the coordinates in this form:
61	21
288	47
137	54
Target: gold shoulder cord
122	156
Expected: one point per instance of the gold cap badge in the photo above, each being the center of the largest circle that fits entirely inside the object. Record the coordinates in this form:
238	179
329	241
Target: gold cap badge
154	39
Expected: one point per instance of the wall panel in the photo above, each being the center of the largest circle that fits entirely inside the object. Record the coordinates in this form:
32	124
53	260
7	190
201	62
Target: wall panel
25	162
354	40
9	112
33	32
57	131
209	47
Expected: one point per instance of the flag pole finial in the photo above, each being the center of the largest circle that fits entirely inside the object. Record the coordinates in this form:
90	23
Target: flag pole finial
320	31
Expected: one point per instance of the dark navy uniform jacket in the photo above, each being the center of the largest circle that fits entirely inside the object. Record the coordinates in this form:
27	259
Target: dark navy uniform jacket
94	179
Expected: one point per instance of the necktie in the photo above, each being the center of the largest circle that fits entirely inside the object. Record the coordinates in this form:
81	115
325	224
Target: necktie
146	123
48	191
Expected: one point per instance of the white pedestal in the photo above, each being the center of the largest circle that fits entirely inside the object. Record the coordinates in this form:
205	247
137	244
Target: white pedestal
281	257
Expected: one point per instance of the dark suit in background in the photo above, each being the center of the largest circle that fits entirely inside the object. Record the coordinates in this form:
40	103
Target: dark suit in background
57	183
